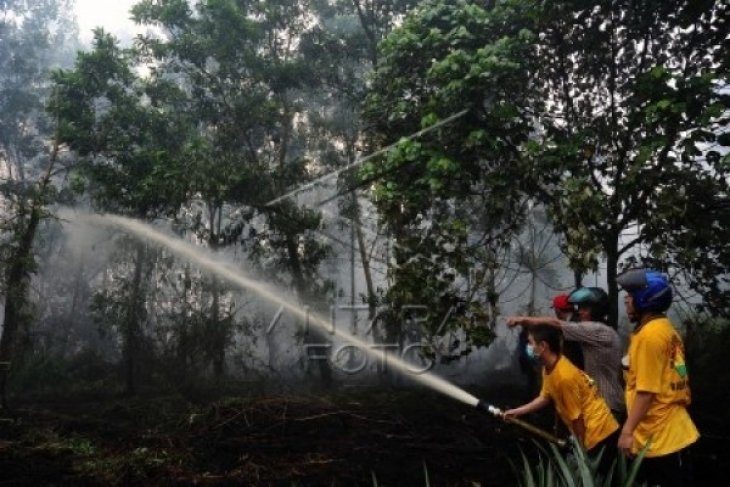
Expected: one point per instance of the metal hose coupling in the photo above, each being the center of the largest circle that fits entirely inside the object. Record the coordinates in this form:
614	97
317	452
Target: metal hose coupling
488	408
495	411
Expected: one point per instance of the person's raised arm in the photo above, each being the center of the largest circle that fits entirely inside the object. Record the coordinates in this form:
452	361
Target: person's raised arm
513	321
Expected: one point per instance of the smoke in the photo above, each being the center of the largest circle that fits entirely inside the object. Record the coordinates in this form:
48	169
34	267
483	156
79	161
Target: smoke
226	271
268	338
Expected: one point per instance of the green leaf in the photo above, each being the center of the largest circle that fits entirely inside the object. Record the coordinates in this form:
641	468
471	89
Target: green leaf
563	468
528	479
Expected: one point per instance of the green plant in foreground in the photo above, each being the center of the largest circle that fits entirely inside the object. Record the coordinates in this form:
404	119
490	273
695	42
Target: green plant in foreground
426	477
556	468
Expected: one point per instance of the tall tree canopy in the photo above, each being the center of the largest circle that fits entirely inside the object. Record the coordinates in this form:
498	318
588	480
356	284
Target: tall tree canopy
132	148
611	115
243	76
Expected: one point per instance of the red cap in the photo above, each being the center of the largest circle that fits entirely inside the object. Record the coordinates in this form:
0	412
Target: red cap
560	302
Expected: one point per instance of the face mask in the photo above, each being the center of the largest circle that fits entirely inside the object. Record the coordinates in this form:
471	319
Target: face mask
531	352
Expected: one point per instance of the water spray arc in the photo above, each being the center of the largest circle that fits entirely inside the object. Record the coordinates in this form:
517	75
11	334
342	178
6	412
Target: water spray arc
217	267
362	160
195	255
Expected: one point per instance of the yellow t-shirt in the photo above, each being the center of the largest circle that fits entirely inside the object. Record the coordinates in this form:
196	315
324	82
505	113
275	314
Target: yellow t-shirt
656	365
575	395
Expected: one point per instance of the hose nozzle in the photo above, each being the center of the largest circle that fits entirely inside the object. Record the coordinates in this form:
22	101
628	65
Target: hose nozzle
488	408
495	411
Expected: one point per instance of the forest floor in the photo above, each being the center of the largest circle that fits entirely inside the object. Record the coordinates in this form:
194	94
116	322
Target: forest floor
347	438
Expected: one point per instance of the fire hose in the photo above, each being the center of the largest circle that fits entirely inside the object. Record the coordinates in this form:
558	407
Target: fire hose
498	413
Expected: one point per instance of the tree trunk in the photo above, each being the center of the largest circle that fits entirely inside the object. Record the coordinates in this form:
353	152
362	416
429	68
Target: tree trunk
611	272
68	321
131	338
353	295
314	339
17	280
578	278
21	265
216	328
17	276
365	259
183	349
218	332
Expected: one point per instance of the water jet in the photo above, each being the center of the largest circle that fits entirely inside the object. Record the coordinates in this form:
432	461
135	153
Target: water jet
217	266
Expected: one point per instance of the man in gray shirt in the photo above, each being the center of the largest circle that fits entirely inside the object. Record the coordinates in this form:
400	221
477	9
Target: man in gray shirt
600	343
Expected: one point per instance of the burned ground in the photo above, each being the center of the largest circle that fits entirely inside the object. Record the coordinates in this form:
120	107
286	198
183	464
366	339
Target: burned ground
392	438
357	438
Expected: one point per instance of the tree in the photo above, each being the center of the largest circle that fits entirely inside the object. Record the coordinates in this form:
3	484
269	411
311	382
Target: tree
342	49
637	113
449	198
618	106
131	151
34	35
245	79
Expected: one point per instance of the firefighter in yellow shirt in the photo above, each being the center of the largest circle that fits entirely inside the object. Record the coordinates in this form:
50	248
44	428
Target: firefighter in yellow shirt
574	395
657	385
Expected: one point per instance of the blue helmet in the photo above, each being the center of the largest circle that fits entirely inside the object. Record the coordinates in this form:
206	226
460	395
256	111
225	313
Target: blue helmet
650	289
